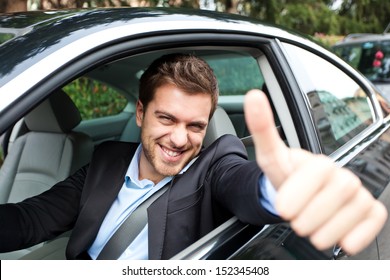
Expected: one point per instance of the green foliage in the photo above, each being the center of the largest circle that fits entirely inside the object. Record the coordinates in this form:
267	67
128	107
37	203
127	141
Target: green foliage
307	16
238	79
327	40
5	37
95	99
313	16
364	16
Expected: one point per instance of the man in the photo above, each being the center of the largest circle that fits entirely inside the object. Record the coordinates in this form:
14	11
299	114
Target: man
178	95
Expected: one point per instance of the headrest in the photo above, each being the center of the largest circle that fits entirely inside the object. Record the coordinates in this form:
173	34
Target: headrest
57	114
220	124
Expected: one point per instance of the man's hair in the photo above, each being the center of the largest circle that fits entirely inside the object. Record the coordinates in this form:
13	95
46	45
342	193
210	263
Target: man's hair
189	73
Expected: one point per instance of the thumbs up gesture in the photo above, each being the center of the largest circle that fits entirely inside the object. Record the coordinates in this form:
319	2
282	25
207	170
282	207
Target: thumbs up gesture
324	202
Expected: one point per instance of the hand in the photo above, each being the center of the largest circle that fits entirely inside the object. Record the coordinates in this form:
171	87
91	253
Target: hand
322	201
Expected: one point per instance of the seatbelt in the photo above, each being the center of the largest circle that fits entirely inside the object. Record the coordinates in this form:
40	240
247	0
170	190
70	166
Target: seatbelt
129	229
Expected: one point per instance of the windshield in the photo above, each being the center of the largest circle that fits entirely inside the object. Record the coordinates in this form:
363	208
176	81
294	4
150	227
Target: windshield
371	58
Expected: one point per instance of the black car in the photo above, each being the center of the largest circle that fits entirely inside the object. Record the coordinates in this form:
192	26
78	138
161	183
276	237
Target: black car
320	104
370	54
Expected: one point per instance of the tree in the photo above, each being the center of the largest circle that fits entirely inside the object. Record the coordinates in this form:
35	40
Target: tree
358	16
7	6
308	16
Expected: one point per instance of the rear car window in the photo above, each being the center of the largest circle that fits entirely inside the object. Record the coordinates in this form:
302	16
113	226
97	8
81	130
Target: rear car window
340	108
95	99
236	74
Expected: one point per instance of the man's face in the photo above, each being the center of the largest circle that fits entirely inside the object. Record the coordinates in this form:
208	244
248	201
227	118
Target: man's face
172	131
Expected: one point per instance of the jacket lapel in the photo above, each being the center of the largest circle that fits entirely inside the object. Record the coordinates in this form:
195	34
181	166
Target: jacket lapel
104	181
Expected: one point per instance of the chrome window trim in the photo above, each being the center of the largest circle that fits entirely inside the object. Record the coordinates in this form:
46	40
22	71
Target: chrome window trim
279	102
200	249
351	149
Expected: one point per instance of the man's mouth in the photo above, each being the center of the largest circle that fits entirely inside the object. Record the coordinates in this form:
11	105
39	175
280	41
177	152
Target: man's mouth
170	152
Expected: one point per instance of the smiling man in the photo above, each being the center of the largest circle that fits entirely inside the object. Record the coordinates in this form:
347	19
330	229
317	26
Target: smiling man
178	96
173	127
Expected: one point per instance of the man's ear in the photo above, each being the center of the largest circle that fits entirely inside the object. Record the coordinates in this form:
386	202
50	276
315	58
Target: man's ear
139	111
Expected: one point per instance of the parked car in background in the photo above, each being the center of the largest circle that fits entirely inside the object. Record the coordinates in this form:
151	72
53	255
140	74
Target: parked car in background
370	54
320	103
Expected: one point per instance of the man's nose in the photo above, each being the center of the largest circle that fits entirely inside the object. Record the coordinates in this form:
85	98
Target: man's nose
179	136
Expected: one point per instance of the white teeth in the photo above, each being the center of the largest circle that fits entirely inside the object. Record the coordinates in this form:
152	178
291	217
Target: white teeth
171	153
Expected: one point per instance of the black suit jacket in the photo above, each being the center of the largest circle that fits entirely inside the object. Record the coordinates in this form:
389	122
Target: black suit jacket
220	183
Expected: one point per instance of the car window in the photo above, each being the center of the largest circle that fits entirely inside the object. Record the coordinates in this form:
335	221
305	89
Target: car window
95	99
371	58
340	108
236	75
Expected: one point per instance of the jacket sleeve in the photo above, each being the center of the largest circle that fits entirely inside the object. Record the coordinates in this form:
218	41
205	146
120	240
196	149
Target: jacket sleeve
41	217
235	185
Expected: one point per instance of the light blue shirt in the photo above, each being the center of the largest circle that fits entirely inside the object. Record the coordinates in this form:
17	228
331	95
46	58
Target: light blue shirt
132	194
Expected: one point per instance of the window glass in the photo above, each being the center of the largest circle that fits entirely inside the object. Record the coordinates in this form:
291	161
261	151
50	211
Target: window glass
339	106
95	99
236	75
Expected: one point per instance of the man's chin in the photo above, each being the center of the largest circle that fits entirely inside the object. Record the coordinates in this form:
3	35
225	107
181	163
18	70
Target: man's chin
170	171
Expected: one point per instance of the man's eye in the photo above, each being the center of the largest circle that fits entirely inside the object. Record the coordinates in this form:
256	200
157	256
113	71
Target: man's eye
197	127
165	119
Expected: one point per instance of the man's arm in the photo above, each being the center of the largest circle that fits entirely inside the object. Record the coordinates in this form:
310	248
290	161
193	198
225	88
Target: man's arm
41	217
322	201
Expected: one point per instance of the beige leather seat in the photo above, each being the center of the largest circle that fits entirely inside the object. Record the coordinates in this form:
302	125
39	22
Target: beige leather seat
220	124
48	153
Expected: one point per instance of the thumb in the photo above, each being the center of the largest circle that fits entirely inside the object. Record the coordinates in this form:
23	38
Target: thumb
272	155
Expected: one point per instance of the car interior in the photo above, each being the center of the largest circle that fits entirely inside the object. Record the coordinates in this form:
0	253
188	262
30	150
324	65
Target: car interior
58	136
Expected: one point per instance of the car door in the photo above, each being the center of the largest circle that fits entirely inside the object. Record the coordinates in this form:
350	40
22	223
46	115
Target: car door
337	113
350	124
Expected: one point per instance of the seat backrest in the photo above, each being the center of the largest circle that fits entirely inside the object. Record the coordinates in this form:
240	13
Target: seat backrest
48	153
220	124
131	132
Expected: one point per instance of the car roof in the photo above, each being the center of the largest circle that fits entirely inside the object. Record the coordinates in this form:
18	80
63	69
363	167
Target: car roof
42	32
85	20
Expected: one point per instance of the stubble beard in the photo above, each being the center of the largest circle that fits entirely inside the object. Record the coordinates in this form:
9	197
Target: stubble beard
163	169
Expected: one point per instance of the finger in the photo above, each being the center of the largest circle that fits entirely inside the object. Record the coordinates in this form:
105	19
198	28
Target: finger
344	221
340	187
302	187
364	233
271	152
